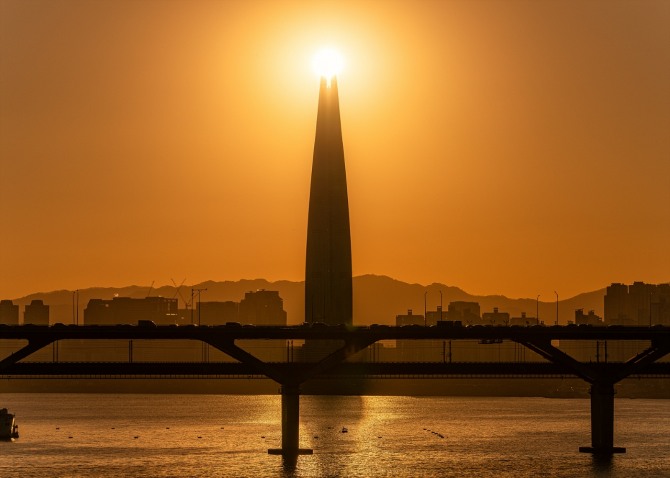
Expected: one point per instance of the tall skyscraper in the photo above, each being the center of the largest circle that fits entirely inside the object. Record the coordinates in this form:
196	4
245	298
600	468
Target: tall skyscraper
328	288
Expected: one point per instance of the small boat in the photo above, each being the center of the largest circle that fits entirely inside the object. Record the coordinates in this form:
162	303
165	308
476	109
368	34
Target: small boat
8	428
344	430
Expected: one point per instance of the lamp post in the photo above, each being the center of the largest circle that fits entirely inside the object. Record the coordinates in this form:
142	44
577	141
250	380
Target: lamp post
440	318
556	307
537	309
198	291
425	310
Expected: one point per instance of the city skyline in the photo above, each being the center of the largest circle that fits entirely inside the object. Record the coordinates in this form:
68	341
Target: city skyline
503	148
377	300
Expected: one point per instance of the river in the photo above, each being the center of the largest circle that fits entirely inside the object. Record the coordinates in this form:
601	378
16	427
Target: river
172	435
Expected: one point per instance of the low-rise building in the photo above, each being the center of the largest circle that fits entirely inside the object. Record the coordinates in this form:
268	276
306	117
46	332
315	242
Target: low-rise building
262	307
435	316
9	312
36	313
587	319
495	318
468	313
523	321
126	310
409	319
216	313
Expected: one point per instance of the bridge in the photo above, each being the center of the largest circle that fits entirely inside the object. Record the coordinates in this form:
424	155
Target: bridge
339	344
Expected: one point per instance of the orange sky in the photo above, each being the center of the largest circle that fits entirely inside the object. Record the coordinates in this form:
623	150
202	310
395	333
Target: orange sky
500	146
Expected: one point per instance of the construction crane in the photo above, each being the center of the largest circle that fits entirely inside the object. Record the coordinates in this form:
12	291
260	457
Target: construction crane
187	304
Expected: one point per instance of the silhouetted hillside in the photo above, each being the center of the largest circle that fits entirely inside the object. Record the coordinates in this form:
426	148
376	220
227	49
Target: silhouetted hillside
377	299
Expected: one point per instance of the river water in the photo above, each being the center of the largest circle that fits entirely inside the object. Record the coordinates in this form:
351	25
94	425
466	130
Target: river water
126	435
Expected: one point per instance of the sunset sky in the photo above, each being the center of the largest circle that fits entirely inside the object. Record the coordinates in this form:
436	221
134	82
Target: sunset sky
504	147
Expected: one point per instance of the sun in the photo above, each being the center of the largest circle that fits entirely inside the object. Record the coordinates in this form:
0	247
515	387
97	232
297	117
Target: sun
328	62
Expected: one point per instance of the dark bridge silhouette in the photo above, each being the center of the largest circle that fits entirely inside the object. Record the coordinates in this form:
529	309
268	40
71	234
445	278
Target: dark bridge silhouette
602	376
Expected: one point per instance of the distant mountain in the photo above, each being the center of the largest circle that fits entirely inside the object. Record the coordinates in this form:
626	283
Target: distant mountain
377	299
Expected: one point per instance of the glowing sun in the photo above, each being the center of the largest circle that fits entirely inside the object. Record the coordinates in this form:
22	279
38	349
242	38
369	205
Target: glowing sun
328	63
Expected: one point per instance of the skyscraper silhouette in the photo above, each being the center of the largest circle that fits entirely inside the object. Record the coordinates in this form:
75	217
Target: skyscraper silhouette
328	288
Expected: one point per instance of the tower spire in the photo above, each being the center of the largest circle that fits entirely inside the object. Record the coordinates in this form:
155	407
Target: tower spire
328	282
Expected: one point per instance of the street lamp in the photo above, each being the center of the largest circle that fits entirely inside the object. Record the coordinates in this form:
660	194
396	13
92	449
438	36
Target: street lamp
440	317
556	307
537	309
198	291
425	310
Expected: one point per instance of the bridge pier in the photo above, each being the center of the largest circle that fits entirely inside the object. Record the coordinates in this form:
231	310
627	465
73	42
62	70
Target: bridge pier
602	396
602	420
290	423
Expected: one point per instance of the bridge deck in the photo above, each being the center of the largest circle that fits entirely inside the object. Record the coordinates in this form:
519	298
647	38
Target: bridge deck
344	370
64	332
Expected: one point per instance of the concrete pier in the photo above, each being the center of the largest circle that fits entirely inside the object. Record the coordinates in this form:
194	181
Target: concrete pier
290	424
602	420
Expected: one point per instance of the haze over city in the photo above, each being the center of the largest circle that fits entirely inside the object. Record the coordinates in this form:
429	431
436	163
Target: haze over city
515	148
